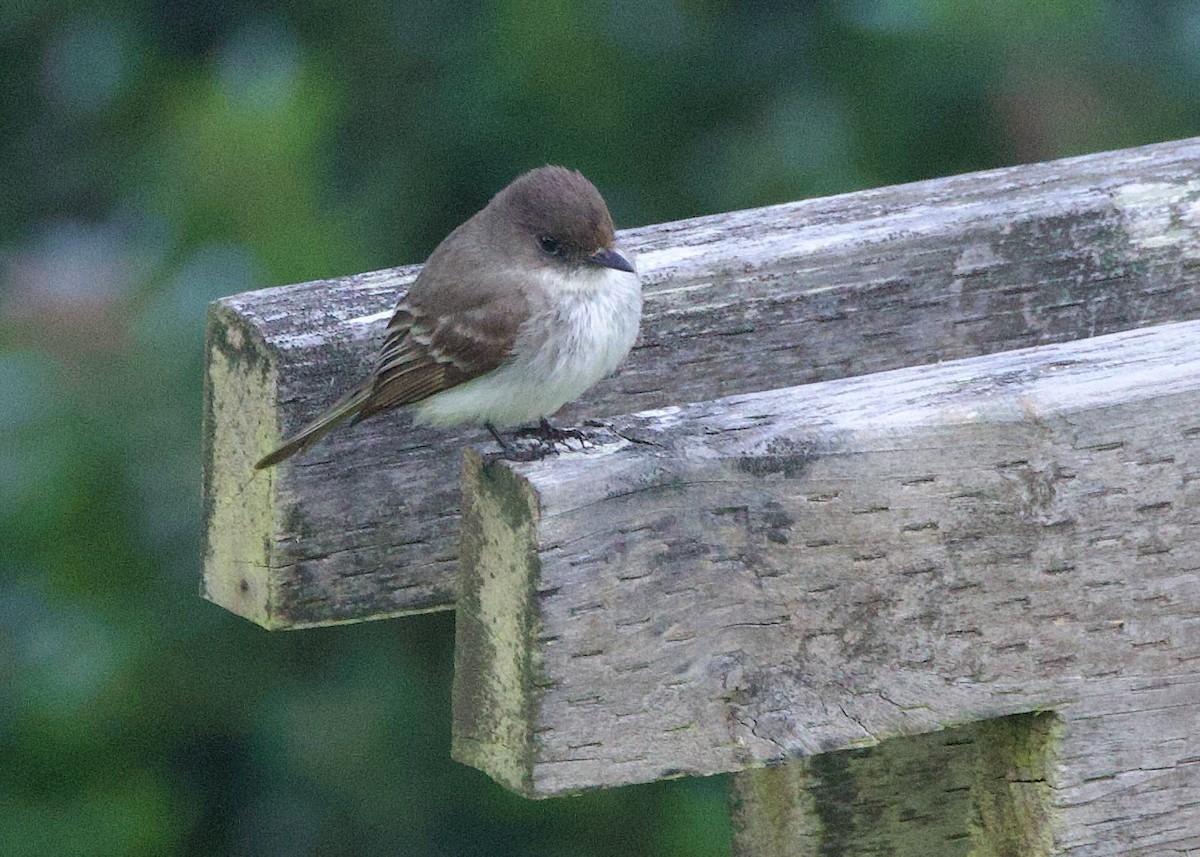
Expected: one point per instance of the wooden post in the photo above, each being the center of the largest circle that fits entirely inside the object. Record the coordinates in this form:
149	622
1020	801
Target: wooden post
1010	541
980	789
366	525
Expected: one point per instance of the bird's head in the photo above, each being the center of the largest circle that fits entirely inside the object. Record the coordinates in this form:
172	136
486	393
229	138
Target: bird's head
559	219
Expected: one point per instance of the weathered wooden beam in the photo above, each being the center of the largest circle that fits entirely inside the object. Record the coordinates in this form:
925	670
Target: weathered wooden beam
785	574
980	789
366	524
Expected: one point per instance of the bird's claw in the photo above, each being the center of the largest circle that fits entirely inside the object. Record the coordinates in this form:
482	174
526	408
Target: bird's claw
538	442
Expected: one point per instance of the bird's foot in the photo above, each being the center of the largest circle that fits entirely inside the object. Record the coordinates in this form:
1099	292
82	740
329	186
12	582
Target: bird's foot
522	447
535	443
553	435
570	440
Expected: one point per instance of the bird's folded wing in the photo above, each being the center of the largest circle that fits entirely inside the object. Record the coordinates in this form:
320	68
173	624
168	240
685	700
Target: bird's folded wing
425	353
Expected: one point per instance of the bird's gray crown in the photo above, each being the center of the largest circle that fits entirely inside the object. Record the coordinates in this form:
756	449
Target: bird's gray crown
560	208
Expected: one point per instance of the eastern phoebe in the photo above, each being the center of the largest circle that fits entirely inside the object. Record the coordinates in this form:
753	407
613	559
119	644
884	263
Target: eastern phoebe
517	312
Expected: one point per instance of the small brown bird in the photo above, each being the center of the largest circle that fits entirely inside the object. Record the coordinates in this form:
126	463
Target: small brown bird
518	311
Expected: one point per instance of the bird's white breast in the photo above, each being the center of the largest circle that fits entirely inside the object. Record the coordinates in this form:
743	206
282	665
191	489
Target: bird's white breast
581	331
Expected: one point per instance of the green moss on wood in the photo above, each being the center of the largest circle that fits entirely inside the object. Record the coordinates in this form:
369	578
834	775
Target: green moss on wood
1011	792
239	425
975	791
497	676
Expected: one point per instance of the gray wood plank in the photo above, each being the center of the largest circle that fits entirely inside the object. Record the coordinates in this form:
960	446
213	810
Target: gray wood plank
366	525
785	574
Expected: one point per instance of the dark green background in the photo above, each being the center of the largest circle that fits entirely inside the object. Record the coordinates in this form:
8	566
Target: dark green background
157	155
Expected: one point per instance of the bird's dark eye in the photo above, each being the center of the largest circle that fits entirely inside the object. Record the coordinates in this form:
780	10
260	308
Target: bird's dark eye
549	243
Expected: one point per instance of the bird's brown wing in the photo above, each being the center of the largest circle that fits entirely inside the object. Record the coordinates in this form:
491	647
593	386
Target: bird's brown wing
427	352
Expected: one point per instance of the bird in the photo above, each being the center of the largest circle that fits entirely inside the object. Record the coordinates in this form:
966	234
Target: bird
519	310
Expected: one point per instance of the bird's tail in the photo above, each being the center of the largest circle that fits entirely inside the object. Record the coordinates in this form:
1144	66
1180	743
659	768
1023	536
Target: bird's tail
349	405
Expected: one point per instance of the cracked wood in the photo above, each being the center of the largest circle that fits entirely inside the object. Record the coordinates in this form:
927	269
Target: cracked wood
366	524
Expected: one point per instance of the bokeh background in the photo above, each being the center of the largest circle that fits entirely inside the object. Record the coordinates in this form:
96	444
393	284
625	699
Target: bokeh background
157	154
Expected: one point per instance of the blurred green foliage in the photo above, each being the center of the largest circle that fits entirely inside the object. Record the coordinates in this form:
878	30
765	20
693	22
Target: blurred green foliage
157	155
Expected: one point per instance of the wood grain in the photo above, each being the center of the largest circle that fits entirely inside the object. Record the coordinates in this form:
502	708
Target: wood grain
739	583
366	525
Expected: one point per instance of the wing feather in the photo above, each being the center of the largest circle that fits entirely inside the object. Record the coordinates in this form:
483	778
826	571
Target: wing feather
426	352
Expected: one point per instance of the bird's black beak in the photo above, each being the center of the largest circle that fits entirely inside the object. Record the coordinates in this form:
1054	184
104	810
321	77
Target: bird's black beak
610	257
